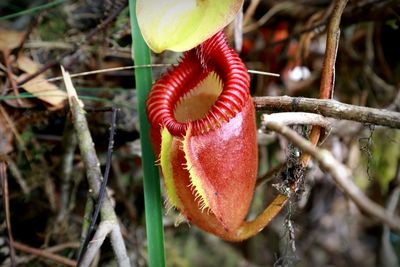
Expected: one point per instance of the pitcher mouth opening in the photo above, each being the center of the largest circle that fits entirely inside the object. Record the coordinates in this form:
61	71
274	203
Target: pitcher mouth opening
207	88
196	103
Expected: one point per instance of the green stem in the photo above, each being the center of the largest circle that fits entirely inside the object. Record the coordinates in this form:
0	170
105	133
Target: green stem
32	10
152	195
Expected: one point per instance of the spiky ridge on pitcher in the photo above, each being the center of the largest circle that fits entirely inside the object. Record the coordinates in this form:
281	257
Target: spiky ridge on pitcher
203	129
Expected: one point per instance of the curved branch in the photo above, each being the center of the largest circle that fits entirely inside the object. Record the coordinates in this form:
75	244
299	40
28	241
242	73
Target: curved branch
329	108
340	174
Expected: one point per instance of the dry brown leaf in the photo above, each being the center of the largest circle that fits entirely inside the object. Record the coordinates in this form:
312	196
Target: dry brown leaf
44	90
10	39
38	86
27	65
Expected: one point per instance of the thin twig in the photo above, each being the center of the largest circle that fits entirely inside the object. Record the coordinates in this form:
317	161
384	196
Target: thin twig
295	118
250	11
16	173
69	144
44	254
295	35
23	260
104	228
328	68
250	228
13	128
340	174
395	105
99	71
120	7
10	75
59	247
326	90
329	108
27	33
238	31
298	118
4	187
31	10
247	229
103	186
266	73
78	46
332	44
279	202
267	16
117	241
87	215
270	175
94	177
44	68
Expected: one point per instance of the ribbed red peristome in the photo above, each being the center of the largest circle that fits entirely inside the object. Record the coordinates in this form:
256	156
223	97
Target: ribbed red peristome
212	55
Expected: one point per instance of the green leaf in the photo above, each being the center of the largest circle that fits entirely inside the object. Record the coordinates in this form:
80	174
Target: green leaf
151	181
180	25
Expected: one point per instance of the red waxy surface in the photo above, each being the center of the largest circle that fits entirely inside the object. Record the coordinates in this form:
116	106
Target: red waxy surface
219	149
226	161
